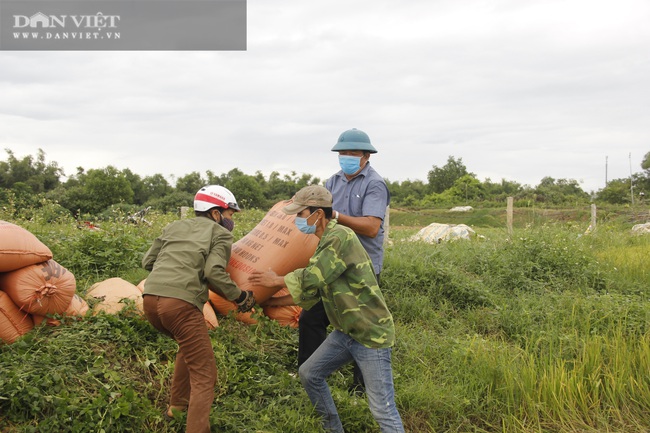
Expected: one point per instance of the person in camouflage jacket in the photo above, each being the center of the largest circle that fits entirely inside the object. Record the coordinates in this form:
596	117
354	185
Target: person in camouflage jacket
341	274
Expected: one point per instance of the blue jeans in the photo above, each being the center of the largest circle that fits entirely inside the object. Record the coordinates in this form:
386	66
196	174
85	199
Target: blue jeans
375	364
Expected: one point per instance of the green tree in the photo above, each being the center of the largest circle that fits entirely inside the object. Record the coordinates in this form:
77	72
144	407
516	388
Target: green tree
442	178
191	183
156	186
617	191
500	191
107	186
467	188
96	190
645	164
138	187
34	173
247	191
642	180
172	202
278	188
406	193
560	191
224	178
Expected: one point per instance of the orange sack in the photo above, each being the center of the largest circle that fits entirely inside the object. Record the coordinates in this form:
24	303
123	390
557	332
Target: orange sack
286	315
223	306
111	294
20	248
78	307
42	289
49	321
13	322
276	244
210	316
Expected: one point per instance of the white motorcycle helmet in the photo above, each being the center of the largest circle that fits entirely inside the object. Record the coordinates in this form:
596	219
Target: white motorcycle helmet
215	195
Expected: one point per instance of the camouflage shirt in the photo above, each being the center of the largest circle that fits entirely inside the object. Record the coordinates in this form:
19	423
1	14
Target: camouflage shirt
341	274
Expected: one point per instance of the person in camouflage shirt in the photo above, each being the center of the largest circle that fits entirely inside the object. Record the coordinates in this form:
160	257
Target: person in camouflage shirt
341	274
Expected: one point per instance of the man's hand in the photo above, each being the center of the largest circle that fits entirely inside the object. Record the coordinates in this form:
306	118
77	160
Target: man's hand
266	279
246	301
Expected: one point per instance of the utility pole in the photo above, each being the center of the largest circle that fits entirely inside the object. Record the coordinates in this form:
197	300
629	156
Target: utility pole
606	171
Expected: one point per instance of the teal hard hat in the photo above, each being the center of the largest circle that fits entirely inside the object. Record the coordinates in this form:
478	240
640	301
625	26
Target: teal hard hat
354	139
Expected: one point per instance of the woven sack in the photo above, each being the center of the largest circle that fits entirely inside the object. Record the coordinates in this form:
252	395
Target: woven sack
286	315
41	289
210	316
49	321
224	307
78	307
20	248
13	322
275	243
112	293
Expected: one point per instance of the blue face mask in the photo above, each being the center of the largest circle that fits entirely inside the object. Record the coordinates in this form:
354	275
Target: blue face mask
349	164
302	225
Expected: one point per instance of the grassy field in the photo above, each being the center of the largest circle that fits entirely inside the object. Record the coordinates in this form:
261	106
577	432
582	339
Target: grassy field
546	330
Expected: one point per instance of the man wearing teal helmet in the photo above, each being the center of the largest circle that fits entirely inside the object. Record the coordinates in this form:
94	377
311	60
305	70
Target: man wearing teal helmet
360	201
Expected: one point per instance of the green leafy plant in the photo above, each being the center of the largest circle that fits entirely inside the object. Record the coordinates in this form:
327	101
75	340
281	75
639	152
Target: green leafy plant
545	330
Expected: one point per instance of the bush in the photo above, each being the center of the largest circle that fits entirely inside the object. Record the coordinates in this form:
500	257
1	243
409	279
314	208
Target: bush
540	259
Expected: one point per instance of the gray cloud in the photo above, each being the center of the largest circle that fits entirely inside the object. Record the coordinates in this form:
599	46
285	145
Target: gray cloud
518	90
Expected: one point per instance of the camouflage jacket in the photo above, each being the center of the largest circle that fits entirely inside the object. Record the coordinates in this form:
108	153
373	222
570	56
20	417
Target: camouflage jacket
341	274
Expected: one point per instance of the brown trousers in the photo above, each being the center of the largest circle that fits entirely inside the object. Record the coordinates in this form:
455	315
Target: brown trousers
195	370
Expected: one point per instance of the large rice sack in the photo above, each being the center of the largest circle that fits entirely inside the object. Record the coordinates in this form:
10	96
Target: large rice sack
41	289
223	306
287	315
49	321
20	248
276	244
13	322
111	294
78	307
210	316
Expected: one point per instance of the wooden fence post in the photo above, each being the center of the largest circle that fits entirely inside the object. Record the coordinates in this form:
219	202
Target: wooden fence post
509	212
593	216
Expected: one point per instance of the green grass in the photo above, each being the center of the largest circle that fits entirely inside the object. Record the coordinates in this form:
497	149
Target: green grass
547	330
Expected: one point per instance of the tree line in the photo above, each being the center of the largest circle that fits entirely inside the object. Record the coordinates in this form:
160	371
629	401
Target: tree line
33	180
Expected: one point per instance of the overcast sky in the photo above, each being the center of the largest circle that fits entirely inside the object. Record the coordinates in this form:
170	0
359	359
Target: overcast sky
519	89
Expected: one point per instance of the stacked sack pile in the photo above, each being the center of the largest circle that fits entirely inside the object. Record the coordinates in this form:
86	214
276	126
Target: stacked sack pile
33	287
